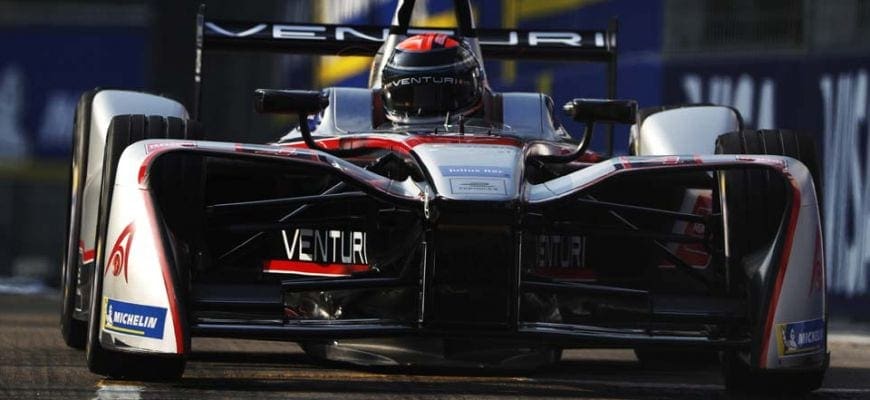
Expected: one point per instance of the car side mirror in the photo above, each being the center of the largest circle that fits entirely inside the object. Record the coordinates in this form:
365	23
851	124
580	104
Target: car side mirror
602	110
303	102
590	111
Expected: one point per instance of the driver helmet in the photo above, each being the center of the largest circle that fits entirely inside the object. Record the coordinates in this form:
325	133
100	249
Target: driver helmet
430	77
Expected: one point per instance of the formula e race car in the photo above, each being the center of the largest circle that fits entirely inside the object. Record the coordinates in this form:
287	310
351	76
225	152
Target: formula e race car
429	220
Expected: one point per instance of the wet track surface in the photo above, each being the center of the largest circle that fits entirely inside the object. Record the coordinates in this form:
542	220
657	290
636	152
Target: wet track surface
34	363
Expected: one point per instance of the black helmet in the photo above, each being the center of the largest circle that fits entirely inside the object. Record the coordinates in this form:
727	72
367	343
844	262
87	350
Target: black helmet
429	77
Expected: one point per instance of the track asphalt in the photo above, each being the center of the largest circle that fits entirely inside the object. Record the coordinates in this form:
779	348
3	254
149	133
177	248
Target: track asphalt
34	363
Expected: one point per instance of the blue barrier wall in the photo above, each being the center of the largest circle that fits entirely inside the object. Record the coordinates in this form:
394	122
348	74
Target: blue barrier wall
43	70
824	95
639	70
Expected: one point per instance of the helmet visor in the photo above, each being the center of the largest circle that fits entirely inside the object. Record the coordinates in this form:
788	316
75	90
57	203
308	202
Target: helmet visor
429	95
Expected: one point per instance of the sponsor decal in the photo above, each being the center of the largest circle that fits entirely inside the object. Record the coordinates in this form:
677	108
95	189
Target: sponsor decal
321	252
286	151
379	34
120	253
561	256
133	319
698	202
800	337
242	33
470	170
626	162
560	251
776	163
275	151
478	186
671	160
326	246
152	147
444	80
86	255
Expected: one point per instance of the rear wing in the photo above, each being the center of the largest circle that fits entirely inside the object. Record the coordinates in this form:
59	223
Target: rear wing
365	40
598	46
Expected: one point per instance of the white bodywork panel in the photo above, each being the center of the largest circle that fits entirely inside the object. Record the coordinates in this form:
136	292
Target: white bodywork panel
681	131
137	277
802	291
106	105
473	171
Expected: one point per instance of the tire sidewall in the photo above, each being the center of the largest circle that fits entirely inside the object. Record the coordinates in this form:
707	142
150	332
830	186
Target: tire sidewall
74	331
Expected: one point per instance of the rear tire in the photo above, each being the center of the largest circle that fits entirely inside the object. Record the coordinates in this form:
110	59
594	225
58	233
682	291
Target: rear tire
123	131
759	197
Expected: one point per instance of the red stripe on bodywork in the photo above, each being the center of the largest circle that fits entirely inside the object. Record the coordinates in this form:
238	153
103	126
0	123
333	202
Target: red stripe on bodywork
87	255
780	275
143	170
818	279
312	268
404	144
167	274
120	254
155	149
624	162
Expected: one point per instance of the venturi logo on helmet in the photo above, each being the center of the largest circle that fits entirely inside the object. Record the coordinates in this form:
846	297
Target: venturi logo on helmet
428	79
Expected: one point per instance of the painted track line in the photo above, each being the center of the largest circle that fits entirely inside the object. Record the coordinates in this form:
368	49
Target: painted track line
849	338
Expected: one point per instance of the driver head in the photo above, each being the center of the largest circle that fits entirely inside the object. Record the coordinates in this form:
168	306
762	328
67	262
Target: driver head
430	77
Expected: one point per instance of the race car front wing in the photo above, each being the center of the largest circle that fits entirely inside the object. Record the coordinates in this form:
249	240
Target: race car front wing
554	265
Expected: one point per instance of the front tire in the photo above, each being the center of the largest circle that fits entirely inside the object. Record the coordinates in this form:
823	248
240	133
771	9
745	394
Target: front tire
75	331
759	195
741	378
123	131
759	198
